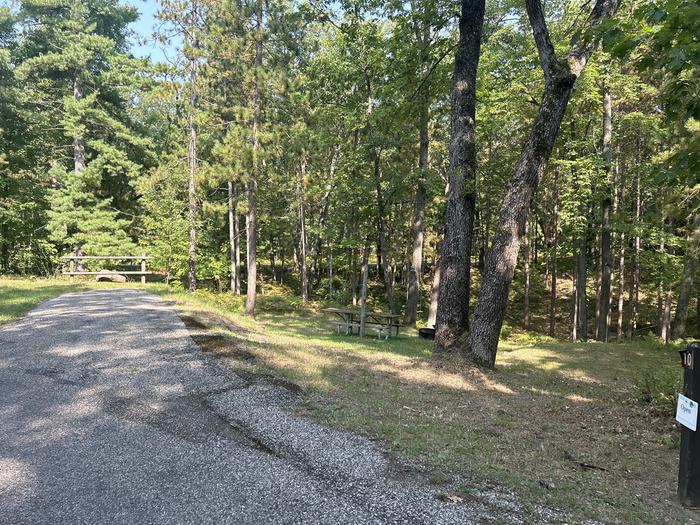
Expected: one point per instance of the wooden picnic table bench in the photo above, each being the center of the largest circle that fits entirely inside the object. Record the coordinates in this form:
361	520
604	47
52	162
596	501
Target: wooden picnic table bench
349	320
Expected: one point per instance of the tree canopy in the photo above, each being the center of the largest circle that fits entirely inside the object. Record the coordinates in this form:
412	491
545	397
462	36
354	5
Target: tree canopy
295	144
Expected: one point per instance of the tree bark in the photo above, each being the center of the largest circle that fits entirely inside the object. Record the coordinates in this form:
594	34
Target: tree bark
192	154
382	248
660	292
302	232
553	265
455	254
526	297
252	187
78	140
434	296
605	228
621	288
363	285
415	273
560	77
325	208
634	285
666	319
690	267
581	307
234	240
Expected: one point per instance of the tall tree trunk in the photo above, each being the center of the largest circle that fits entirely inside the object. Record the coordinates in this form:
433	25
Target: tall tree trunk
353	275
363	285
382	251
634	285
455	253
526	298
660	309
605	227
581	309
434	296
555	238
78	160
621	291
78	140
660	292
325	208
690	267
302	232
415	273
666	318
192	154
560	77
234	241
252	187
330	272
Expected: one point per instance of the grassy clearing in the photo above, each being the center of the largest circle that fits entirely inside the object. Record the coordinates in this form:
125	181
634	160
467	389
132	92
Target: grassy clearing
580	427
18	296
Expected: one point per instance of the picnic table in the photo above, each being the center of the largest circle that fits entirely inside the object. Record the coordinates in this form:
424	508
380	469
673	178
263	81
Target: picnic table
349	319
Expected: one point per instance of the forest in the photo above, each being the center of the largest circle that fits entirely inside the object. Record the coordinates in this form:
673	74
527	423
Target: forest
469	165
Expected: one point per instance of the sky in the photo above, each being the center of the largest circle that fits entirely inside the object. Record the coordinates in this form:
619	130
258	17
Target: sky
144	27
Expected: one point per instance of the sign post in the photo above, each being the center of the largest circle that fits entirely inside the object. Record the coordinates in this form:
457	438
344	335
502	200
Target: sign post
687	415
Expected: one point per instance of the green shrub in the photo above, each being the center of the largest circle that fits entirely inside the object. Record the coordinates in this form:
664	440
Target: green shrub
658	388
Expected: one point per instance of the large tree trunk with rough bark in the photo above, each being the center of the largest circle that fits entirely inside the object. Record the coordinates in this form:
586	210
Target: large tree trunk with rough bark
455	252
252	187
560	77
690	267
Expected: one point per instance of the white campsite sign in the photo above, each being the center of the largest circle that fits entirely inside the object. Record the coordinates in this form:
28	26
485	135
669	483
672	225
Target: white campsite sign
687	412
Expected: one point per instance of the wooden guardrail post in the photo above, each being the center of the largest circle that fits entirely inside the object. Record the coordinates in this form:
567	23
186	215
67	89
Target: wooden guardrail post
143	268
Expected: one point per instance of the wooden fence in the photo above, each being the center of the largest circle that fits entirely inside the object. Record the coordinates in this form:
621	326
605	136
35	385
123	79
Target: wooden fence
73	261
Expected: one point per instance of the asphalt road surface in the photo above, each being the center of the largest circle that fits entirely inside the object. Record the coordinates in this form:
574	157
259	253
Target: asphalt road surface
109	413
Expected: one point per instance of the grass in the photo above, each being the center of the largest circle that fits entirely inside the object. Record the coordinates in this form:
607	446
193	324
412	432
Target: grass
585	428
18	296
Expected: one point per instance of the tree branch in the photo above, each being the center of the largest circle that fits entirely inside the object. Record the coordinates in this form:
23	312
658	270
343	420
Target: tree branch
587	40
545	48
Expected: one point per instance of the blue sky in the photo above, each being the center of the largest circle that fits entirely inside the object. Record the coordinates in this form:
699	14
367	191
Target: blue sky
144	27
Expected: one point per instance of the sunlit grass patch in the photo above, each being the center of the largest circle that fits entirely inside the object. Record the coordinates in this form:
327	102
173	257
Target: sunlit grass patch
19	296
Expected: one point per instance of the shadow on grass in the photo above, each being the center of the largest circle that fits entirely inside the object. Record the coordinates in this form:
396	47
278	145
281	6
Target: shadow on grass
537	424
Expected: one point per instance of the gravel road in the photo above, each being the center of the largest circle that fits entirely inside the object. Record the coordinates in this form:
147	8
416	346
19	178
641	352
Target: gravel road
109	413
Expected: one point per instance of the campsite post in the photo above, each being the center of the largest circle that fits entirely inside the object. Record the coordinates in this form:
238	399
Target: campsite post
687	415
